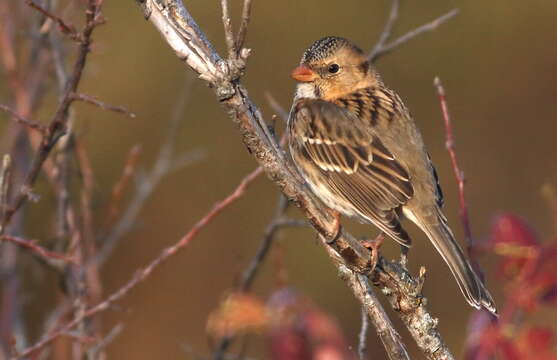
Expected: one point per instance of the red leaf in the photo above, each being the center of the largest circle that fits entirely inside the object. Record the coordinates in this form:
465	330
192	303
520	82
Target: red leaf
302	331
510	229
288	344
538	338
536	343
515	242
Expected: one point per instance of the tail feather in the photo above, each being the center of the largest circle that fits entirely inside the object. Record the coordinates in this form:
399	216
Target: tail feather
444	242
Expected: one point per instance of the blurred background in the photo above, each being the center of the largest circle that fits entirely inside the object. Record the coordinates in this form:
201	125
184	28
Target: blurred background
497	60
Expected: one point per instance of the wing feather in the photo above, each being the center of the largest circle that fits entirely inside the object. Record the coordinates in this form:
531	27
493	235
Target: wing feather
357	167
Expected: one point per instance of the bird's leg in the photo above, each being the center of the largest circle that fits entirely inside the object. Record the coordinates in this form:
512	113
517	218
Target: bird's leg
373	246
404	250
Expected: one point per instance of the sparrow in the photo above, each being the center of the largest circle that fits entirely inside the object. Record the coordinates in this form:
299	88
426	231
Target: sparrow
357	147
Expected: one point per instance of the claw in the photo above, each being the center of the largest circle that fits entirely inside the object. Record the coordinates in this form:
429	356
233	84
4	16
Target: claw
373	246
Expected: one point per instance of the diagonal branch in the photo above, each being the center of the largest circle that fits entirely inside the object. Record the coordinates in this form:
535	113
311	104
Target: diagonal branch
145	272
31	124
94	101
32	246
373	309
459	175
387	30
383	48
64	27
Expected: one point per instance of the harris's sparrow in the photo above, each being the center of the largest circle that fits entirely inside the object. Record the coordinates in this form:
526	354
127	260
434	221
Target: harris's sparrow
358	148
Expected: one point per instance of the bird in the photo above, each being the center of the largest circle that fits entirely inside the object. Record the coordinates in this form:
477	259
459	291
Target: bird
358	149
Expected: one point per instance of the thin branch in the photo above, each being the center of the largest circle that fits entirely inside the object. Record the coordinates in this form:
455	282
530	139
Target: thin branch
228	31
36	249
387	30
387	48
458	173
31	124
4	186
107	340
362	336
279	224
243	31
117	193
142	274
264	246
94	101
274	104
64	27
362	289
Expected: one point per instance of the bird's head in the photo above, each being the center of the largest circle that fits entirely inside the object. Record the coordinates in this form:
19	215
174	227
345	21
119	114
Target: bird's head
332	67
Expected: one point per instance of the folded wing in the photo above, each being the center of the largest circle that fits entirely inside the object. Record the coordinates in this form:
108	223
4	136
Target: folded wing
356	165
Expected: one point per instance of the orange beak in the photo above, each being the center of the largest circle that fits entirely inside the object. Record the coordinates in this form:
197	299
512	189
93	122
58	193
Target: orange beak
303	74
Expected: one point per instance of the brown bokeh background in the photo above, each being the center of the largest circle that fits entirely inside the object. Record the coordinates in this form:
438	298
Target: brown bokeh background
497	59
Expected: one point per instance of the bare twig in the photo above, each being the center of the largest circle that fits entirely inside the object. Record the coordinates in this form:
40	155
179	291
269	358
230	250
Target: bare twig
264	246
64	27
228	31
362	289
242	32
32	246
276	224
388	47
459	174
89	271
144	273
362	336
31	124
274	104
4	186
94	101
107	340
387	30
130	167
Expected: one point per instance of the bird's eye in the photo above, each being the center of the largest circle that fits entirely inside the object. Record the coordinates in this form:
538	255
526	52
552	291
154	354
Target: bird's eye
333	68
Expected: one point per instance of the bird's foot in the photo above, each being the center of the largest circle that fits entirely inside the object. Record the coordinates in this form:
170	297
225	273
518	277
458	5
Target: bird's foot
373	246
336	227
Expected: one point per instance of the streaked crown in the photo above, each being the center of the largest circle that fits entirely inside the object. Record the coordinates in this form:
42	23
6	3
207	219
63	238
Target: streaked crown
325	47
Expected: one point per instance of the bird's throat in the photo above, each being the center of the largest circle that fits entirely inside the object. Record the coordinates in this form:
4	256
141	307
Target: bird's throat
307	91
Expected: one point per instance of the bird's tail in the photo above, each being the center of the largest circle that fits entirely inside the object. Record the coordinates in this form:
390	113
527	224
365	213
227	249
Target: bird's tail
470	284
